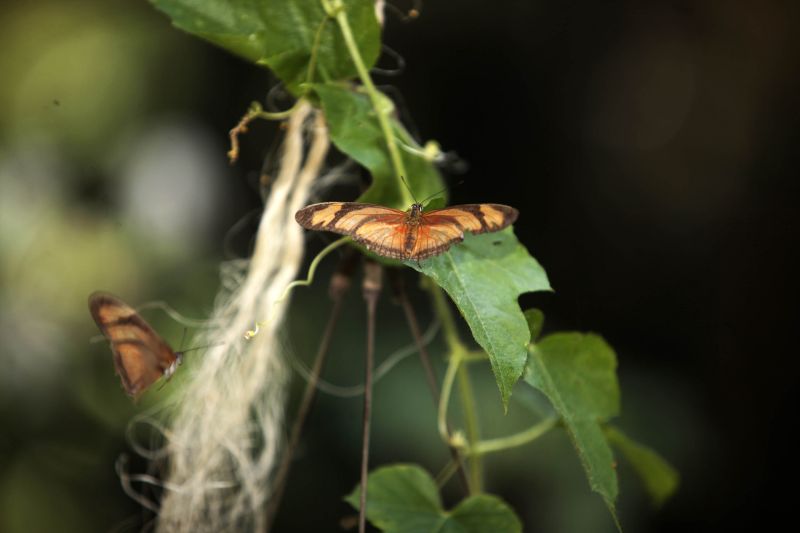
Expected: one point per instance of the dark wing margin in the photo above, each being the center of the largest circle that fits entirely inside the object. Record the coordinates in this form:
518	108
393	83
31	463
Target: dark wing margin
474	218
342	217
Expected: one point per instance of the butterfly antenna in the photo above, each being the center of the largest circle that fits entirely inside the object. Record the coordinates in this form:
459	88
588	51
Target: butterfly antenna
183	339
434	195
202	347
409	189
440	192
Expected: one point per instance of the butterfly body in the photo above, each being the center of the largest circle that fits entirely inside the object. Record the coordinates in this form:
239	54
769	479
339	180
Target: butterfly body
141	356
406	235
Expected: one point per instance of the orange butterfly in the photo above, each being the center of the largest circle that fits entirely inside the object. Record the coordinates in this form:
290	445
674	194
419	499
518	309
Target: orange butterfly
408	235
141	356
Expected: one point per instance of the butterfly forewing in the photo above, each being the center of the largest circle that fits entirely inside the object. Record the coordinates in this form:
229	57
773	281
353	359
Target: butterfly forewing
401	235
380	229
474	218
141	356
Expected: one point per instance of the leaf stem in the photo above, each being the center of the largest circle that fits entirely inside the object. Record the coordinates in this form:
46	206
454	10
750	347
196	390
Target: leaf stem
447	389
473	429
458	355
442	310
517	439
335	8
312	61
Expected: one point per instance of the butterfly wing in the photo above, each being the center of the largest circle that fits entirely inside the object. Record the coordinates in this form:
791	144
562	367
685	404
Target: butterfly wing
141	356
380	229
440	229
391	233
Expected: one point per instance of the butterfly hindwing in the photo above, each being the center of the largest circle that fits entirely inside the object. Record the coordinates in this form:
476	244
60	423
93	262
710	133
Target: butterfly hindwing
141	356
136	365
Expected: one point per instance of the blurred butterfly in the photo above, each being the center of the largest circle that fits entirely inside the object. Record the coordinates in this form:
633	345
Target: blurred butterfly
141	356
411	235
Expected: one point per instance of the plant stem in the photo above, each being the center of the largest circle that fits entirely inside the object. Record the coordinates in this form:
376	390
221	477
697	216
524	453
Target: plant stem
335	8
255	111
447	389
470	409
442	309
458	354
371	289
312	62
400	293
518	439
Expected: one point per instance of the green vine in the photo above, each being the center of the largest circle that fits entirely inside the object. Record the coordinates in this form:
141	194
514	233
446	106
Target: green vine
335	8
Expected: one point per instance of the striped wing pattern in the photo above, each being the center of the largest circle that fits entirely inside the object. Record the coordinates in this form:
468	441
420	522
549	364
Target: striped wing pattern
442	228
402	235
141	356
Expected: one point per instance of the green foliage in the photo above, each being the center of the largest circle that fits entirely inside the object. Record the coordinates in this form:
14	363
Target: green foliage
659	478
535	318
484	276
355	130
577	372
404	499
282	35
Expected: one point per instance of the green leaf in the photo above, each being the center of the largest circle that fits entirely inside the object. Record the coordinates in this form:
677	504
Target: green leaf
404	499
484	276
437	202
577	372
281	34
355	131
660	479
535	318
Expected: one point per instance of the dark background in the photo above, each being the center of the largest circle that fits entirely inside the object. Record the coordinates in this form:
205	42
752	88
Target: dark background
648	146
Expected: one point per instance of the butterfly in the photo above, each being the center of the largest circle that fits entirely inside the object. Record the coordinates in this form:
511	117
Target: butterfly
141	356
411	235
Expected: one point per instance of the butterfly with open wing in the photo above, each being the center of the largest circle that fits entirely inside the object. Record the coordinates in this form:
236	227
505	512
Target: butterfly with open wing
141	356
411	235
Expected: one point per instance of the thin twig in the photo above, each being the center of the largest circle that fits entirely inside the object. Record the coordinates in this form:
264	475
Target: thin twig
372	289
253	112
399	290
337	289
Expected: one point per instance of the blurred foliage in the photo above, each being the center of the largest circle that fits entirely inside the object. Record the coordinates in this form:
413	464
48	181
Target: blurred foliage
81	106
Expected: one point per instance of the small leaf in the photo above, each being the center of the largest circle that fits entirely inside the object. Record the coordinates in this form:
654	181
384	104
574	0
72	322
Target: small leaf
483	513
281	34
660	479
535	318
404	499
355	131
484	275
577	372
